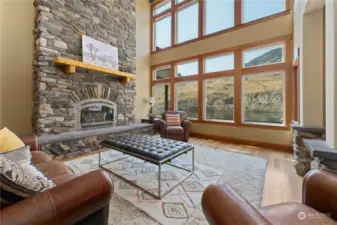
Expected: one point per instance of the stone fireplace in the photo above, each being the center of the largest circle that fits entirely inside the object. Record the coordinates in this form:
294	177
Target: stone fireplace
85	100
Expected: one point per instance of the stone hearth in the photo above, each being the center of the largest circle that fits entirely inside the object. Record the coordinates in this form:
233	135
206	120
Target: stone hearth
59	26
303	155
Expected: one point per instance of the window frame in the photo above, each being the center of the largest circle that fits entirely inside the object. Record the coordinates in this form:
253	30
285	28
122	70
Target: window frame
184	5
154	75
205	105
153	28
176	98
163	84
238	73
216	56
242	2
185	62
284	99
266	46
238	22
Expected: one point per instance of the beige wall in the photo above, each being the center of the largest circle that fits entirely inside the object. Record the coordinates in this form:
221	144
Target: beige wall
331	73
311	69
17	20
277	27
143	58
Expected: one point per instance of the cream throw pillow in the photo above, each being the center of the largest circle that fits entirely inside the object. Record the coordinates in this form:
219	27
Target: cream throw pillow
9	141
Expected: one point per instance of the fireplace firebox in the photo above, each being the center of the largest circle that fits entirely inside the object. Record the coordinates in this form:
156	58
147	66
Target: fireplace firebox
95	113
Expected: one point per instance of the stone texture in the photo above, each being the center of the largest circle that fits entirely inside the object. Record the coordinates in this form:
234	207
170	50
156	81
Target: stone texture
59	26
302	154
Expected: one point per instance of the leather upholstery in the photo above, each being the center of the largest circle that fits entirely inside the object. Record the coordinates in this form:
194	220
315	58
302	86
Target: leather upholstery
173	133
40	157
223	206
64	204
287	213
81	200
324	200
32	141
174	130
53	169
152	147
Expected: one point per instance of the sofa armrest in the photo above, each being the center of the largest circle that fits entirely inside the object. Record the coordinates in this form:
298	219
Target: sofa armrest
31	140
67	203
223	206
187	125
319	191
162	128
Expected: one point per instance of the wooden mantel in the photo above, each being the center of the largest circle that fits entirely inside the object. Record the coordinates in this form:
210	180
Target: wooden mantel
70	68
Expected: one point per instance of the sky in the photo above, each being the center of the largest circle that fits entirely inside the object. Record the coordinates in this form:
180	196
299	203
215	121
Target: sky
220	16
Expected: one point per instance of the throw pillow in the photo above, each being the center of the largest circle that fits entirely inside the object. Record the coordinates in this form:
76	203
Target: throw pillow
21	156
9	141
173	119
18	183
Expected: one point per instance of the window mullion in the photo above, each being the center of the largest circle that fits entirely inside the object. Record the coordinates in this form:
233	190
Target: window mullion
173	23
201	95
237	12
173	94
238	87
201	18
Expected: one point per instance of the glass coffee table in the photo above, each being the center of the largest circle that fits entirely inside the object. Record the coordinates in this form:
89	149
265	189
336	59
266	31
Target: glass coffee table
151	149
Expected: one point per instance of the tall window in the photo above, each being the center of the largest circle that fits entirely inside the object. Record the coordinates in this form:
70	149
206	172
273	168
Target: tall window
219	15
187	23
263	92
162	33
264	98
162	73
162	7
249	90
179	21
162	95
187	68
219	63
257	9
187	98
265	55
219	98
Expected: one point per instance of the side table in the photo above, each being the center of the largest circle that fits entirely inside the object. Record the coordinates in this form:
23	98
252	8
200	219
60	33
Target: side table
155	123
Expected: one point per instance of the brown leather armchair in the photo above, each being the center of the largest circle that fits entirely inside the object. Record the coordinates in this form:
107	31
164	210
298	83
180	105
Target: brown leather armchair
80	200
223	206
178	133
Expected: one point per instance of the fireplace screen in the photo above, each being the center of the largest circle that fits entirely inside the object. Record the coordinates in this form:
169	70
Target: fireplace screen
97	115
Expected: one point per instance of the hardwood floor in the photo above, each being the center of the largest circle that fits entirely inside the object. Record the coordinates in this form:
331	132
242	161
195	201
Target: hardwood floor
282	184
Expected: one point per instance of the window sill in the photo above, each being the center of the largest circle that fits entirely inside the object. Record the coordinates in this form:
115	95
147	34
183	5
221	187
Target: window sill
249	125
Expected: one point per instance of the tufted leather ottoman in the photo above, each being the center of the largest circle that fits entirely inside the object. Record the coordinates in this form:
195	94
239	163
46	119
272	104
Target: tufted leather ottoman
151	149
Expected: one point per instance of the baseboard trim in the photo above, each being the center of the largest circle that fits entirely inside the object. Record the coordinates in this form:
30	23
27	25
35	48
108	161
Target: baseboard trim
285	148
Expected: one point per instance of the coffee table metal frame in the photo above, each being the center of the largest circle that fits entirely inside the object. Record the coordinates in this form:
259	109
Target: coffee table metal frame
159	163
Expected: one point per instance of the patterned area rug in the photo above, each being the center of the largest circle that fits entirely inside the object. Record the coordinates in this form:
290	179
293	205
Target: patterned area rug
128	205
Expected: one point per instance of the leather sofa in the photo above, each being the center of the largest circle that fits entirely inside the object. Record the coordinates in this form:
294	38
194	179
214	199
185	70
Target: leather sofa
75	199
223	206
178	133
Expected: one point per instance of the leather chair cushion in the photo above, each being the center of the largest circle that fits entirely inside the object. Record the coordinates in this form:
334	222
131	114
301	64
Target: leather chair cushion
155	148
63	178
288	213
40	157
53	169
175	130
